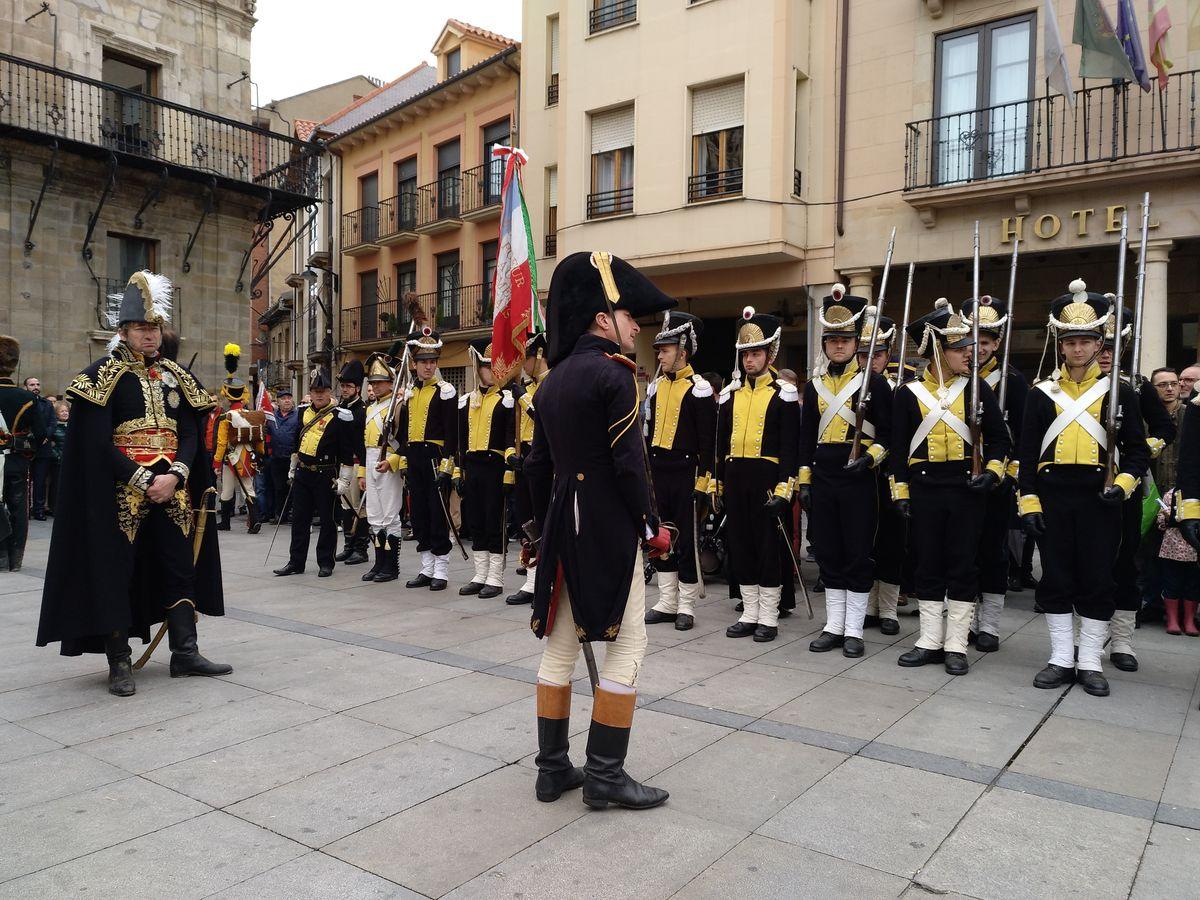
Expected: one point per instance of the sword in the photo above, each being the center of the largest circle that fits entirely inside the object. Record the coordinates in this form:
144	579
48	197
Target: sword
696	545
589	657
279	521
787	542
446	512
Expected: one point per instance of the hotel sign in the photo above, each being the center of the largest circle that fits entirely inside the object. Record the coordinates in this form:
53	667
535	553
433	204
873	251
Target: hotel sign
1080	223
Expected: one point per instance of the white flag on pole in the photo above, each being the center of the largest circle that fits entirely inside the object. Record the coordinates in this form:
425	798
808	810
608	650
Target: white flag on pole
1054	56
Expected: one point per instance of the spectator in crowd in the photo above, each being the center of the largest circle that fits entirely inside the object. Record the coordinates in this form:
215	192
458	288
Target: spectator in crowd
1169	388
283	434
62	412
43	458
1187	381
1179	572
789	376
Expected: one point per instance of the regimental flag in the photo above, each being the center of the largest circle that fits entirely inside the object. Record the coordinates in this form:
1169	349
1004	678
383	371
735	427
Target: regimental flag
263	401
1160	24
1131	41
518	311
1103	54
1054	56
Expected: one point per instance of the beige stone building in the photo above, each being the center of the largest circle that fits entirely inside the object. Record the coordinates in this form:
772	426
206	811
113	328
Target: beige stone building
127	144
725	148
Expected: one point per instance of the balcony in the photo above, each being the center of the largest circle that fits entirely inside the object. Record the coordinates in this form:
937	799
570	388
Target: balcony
94	118
610	203
360	231
552	245
274	374
1109	124
715	186
438	206
481	190
552	91
398	219
451	309
610	13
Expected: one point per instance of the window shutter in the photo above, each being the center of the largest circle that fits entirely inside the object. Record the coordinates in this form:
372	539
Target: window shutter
612	130
552	192
554	46
717	108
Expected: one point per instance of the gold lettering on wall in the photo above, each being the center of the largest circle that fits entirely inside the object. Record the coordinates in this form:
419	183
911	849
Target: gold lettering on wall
1082	215
1009	230
1048	225
1114	219
1045	232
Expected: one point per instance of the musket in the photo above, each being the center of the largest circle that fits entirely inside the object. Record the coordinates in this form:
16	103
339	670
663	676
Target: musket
976	403
1002	396
864	391
912	268
1135	363
1113	420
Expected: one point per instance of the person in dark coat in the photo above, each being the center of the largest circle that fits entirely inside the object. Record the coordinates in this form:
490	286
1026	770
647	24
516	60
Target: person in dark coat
535	370
588	476
355	530
321	466
21	433
124	553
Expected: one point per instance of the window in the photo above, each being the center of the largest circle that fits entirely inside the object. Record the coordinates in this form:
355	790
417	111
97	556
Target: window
552	211
552	75
134	121
495	135
127	255
717	116
612	163
406	279
368	200
312	320
368	304
489	251
607	14
453	62
405	210
449	165
397	322
447	289
983	83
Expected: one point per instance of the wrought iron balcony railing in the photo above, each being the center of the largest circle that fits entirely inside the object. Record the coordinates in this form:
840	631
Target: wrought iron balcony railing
439	200
552	91
552	245
482	186
611	13
1107	124
450	309
610	203
138	128
274	374
397	214
713	185
360	226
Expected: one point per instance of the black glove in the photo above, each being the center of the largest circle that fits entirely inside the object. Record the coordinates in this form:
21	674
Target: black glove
457	484
777	506
805	492
903	508
1114	494
1190	529
516	462
983	482
443	479
1034	524
859	465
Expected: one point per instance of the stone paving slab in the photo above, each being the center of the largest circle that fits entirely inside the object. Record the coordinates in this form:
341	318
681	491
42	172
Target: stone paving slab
752	688
47	776
975	732
17	742
855	708
315	876
1168	867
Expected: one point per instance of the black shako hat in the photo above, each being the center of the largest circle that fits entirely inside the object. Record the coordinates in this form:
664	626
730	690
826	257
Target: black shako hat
1079	312
682	329
352	372
993	313
577	293
943	325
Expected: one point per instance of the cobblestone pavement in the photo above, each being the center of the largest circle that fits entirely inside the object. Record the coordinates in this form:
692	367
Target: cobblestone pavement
378	742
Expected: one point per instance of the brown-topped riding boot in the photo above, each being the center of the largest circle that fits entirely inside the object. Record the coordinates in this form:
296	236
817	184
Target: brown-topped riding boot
555	772
605	780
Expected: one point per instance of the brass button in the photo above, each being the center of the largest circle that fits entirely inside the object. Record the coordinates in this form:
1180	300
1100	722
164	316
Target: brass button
579	476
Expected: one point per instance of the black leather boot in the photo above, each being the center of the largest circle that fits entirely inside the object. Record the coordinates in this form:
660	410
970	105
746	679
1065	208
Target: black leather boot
555	772
605	780
919	656
120	666
826	641
358	543
377	566
344	554
226	515
1092	682
181	634
1054	677
389	555
253	526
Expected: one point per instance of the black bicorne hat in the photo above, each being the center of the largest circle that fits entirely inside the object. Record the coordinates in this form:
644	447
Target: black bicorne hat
319	379
352	372
146	298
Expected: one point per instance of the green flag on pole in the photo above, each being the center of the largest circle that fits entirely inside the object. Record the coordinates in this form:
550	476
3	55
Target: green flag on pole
1103	54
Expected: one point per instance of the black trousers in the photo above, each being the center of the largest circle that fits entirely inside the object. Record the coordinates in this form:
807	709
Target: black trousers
674	485
428	519
522	497
483	501
752	533
844	518
1082	534
277	471
946	524
312	492
1125	570
40	472
354	527
993	541
16	501
891	537
162	539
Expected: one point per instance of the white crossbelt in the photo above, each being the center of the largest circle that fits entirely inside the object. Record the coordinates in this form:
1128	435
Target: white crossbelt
835	405
992	378
1075	410
938	413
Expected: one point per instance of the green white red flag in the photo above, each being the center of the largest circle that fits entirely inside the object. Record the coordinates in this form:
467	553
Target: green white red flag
518	314
1160	24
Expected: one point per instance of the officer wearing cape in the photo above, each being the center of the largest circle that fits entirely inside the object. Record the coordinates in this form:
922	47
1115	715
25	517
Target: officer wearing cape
128	550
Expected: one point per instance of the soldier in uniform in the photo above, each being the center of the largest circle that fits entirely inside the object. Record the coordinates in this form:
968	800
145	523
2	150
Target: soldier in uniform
1063	498
483	477
127	550
428	432
239	447
1160	431
22	431
535	370
588	475
321	467
841	493
758	424
379	473
933	485
680	432
353	518
1001	502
